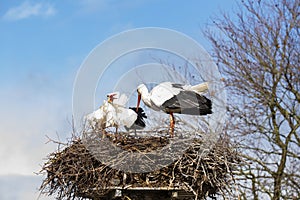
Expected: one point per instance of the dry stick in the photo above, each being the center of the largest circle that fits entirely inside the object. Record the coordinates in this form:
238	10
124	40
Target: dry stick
76	164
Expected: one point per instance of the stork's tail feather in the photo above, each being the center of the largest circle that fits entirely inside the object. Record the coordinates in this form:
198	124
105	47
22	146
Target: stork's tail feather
200	88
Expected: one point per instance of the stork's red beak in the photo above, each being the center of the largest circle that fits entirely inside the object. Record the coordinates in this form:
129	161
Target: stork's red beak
138	103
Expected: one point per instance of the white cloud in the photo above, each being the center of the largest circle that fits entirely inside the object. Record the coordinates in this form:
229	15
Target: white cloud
26	10
30	110
13	187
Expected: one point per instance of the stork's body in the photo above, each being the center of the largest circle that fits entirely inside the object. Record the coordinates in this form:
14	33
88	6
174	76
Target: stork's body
103	117
113	113
176	98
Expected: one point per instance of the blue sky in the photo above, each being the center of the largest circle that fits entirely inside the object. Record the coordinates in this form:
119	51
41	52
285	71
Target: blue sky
42	45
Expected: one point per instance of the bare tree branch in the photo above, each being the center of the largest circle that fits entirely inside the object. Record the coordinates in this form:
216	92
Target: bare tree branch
258	53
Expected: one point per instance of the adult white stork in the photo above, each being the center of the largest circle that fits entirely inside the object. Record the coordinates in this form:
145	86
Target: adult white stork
112	113
176	98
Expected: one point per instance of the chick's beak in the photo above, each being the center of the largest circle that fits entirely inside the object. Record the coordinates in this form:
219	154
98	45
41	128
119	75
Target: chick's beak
110	98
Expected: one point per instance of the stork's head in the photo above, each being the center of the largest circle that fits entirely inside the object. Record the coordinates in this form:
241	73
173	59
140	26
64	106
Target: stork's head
111	97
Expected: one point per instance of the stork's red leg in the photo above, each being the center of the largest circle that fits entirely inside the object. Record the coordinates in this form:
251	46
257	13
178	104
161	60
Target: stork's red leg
116	133
172	124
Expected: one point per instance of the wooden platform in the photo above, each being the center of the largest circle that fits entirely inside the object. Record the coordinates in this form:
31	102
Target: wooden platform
145	193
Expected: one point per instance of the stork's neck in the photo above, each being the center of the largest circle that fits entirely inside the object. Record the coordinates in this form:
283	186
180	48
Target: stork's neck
145	95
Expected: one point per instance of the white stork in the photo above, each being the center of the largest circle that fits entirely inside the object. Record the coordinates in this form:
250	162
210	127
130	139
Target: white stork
176	98
103	117
132	117
112	113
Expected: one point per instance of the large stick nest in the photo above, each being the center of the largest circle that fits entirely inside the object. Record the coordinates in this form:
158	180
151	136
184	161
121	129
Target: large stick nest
73	172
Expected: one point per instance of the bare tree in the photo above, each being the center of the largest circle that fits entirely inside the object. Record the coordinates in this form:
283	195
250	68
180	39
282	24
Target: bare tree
258	50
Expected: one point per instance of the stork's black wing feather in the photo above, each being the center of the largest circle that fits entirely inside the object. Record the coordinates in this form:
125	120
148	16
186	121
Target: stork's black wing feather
177	85
188	102
140	121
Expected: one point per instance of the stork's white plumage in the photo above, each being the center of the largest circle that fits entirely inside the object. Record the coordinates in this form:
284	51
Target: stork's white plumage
104	117
125	116
113	113
176	98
